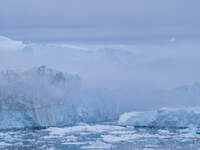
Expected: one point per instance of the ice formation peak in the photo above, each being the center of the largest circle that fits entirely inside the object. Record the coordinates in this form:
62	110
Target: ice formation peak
7	44
38	85
41	74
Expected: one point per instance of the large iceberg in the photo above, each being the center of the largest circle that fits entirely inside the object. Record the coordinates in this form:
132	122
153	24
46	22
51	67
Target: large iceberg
38	97
42	97
163	118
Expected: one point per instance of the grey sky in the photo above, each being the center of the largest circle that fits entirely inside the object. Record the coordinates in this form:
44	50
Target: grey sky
99	20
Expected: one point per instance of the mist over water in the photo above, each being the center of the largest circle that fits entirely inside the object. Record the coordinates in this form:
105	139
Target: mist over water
136	76
76	96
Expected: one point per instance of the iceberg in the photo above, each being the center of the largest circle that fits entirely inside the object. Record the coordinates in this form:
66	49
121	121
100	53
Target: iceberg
43	97
38	98
163	118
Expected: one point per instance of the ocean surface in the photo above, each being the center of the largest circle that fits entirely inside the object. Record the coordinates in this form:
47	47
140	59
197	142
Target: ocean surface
108	136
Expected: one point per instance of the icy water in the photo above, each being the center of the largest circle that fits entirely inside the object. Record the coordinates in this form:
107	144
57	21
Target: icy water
100	137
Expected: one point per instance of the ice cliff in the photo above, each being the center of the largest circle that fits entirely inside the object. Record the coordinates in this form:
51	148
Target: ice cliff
38	97
42	97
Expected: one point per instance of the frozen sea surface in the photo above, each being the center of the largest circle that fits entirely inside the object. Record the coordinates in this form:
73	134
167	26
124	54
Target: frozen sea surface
100	137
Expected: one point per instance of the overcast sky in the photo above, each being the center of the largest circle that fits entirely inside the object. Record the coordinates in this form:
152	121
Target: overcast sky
114	21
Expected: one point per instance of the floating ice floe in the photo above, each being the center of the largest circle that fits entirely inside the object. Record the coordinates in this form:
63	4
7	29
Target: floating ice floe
164	118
